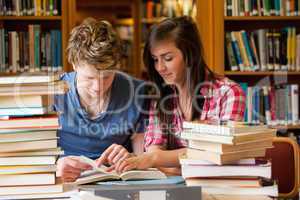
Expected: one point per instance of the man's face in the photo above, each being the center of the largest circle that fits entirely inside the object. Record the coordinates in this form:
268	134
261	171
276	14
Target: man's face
93	81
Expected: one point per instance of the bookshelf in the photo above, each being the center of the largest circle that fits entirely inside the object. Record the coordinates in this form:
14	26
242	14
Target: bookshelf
213	25
132	15
52	31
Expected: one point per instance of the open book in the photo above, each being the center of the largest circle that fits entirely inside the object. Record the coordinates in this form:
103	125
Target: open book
100	174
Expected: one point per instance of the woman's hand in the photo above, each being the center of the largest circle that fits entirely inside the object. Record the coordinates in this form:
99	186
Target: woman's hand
112	155
143	161
69	168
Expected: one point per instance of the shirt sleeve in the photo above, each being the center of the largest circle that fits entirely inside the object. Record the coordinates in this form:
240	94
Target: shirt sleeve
154	134
233	104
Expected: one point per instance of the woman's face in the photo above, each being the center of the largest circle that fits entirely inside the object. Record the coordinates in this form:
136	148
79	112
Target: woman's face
92	81
169	62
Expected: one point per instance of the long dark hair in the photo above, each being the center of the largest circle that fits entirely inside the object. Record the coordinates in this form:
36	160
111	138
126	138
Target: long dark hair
184	33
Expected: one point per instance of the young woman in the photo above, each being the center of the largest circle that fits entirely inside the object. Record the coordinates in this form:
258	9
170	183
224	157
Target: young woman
188	91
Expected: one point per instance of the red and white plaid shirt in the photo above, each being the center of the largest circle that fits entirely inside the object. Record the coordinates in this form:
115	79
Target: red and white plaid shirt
224	100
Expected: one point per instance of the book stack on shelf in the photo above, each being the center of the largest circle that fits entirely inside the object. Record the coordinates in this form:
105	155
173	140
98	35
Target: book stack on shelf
124	28
262	8
30	51
29	7
272	105
168	8
263	50
28	134
223	159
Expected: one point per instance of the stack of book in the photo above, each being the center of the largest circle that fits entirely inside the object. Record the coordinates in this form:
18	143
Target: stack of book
223	159
28	134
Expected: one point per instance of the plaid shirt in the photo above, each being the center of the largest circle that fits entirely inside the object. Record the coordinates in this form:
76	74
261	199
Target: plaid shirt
224	100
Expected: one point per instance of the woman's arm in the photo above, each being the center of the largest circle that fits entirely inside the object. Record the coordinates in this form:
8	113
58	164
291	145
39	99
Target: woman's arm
154	157
165	158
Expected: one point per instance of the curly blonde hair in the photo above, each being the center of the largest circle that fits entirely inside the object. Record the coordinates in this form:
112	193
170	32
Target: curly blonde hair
94	42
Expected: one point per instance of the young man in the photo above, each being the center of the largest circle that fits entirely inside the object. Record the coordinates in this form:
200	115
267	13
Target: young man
102	110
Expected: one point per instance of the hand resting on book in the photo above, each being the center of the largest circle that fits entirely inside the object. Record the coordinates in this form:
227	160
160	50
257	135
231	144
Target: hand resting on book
70	168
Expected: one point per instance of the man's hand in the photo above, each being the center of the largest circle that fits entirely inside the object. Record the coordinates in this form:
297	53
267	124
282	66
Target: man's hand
69	168
112	155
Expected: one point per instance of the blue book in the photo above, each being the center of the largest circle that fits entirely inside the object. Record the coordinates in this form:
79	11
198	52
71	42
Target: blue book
236	52
170	180
59	49
52	50
248	50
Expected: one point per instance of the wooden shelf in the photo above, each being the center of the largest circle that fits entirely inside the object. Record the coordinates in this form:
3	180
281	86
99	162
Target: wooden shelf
262	18
30	18
152	20
286	127
275	73
125	22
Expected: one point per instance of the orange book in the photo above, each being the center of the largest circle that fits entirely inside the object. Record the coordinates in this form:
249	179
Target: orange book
149	9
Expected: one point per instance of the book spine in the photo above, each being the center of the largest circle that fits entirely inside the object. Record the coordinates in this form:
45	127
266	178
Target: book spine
295	103
298	54
276	36
230	55
242	50
289	49
241	8
249	104
267	104
237	52
283	50
270	64
246	44
254	47
261	36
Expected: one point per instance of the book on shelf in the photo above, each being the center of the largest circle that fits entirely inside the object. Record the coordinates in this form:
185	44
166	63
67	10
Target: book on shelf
224	158
273	105
100	174
263	50
30	8
166	8
27	179
30	51
261	8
